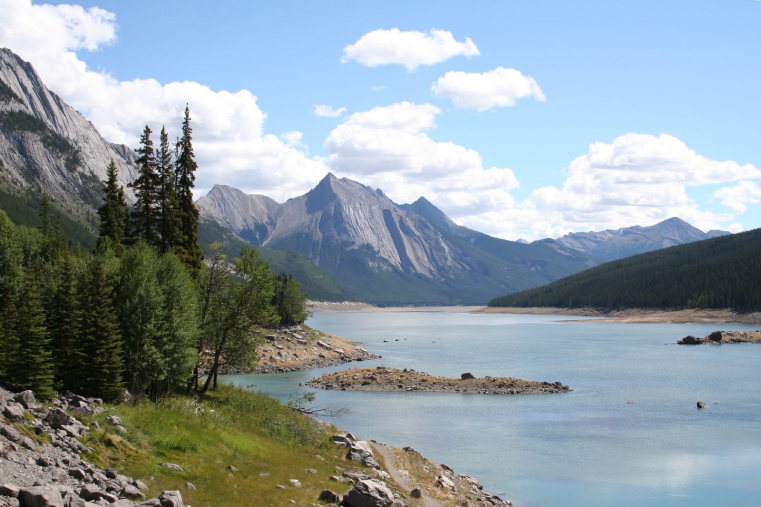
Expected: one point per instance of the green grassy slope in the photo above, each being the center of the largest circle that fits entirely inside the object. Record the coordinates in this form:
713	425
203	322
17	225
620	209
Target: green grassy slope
722	272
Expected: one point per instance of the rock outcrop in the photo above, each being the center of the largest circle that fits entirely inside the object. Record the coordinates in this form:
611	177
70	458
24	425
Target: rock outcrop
719	337
408	380
47	146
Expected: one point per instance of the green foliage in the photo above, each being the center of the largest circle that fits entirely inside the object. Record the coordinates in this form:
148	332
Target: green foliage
170	225
722	272
187	247
289	300
113	213
144	220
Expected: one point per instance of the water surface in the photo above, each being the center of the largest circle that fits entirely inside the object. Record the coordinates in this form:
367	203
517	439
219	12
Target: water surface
629	433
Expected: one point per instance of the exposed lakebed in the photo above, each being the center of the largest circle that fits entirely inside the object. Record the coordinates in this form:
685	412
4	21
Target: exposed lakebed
628	434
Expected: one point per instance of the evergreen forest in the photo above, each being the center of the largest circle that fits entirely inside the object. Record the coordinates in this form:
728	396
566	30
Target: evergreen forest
722	272
141	311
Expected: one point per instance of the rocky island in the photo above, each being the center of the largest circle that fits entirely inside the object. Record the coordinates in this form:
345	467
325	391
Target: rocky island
719	337
383	379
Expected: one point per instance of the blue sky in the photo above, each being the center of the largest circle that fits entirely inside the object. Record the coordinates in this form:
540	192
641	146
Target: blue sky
520	119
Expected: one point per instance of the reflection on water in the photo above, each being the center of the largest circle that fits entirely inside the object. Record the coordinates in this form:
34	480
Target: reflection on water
629	433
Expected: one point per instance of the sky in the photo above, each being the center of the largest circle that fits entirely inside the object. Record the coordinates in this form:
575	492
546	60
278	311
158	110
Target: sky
520	119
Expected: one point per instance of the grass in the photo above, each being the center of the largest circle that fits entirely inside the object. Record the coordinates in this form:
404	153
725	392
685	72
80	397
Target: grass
267	442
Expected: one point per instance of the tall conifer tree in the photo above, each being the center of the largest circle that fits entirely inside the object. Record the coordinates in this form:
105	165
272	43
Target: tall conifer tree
169	226
144	221
188	248
32	368
113	214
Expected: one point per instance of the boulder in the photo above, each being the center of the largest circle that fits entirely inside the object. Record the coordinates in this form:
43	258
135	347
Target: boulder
329	496
114	420
716	336
690	340
14	412
9	490
172	466
40	496
26	398
445	482
467	376
10	433
369	493
171	498
57	417
416	493
701	404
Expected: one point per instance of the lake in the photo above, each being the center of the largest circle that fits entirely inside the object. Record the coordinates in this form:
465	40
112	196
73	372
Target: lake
628	434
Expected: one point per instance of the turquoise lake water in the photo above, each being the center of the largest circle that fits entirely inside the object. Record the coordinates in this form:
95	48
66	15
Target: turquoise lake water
629	433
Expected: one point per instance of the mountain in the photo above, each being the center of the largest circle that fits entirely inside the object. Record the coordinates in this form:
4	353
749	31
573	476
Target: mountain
385	253
609	245
723	272
47	146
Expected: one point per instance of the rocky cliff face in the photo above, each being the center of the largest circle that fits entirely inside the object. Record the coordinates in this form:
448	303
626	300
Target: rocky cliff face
617	244
46	146
386	253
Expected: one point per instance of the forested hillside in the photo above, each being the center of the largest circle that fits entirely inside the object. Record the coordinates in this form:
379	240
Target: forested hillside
722	272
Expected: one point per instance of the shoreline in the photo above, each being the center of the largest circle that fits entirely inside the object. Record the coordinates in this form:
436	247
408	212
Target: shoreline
624	316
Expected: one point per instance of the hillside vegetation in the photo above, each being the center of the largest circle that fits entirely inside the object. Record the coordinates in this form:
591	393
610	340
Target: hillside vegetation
722	272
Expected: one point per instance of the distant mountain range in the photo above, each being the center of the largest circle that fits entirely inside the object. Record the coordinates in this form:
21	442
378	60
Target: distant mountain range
387	253
342	239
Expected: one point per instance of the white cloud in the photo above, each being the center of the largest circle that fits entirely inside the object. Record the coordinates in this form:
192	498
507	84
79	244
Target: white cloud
496	88
326	111
388	147
228	128
738	197
637	179
408	48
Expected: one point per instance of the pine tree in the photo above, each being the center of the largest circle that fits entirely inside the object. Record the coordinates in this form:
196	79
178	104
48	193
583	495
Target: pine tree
101	345
113	213
144	221
170	224
64	324
185	167
32	367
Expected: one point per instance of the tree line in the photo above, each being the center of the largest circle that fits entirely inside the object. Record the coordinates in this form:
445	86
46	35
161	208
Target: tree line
722	272
141	311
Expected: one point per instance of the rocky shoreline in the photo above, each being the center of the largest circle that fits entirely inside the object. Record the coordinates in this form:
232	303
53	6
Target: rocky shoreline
42	465
383	379
719	337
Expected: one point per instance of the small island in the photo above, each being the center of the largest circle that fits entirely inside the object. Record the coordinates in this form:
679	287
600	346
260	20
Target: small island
383	379
719	337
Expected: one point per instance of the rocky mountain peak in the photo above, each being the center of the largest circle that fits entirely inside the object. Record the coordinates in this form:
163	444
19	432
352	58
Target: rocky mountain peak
47	146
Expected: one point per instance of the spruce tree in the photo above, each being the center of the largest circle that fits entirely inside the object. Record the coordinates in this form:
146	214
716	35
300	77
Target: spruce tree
32	366
101	344
188	248
169	226
113	213
65	326
144	221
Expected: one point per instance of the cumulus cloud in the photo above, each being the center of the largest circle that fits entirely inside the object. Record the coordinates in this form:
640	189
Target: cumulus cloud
409	48
500	87
229	137
326	111
636	179
388	147
738	197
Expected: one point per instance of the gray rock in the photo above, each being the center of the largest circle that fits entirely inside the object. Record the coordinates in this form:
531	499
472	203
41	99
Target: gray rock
329	496
172	466
467	376
26	398
10	433
90	492
114	420
295	483
416	493
368	493
14	412
57	417
445	482
40	496
171	498
702	404
9	490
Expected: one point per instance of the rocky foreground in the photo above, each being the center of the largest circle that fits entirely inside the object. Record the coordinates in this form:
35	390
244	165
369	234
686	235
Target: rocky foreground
394	380
719	337
41	463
